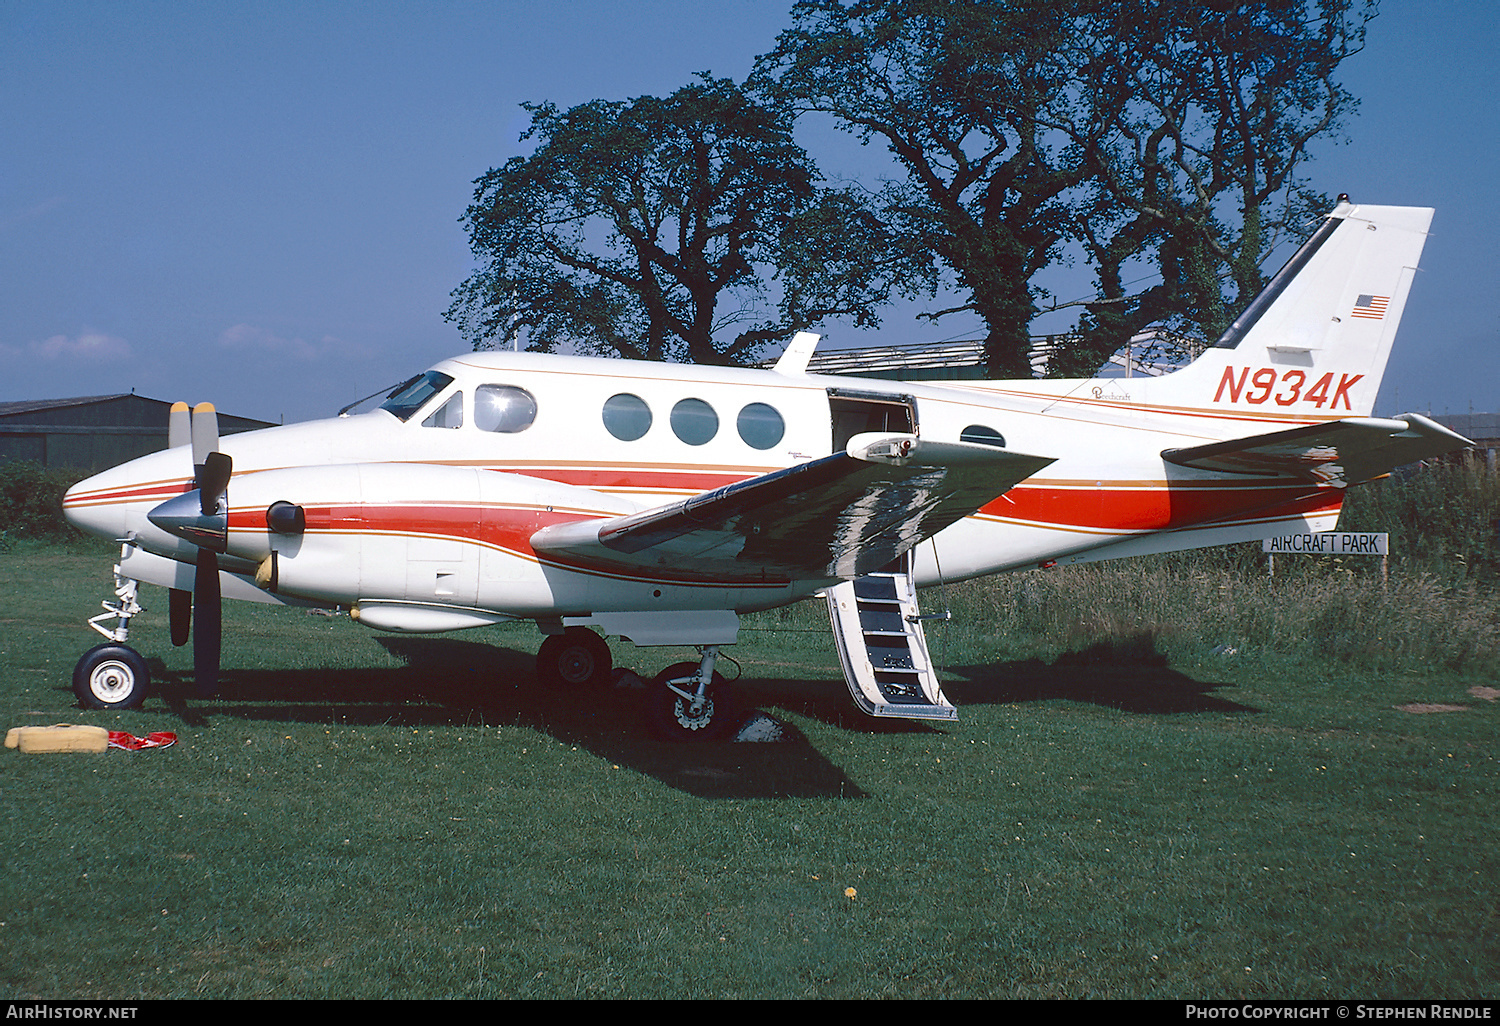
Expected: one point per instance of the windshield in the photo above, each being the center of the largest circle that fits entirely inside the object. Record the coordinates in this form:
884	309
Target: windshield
410	397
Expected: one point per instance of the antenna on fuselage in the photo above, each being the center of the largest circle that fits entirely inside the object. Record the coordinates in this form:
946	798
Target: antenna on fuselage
798	352
513	326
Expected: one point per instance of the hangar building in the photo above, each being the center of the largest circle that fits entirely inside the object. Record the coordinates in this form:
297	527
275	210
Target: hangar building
92	432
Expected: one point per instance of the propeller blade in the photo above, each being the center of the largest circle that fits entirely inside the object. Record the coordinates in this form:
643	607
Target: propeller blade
207	623
213	480
205	432
179	426
180	615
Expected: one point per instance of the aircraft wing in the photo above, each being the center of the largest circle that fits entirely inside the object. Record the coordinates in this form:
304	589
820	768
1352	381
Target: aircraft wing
1341	452
838	517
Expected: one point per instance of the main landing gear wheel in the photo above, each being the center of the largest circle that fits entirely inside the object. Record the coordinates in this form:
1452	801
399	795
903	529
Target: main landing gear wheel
576	658
111	676
685	717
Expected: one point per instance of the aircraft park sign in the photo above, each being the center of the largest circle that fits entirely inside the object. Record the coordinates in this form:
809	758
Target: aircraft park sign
1329	543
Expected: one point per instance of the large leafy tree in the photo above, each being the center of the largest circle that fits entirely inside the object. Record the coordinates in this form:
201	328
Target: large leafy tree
690	227
1194	122
959	93
1157	136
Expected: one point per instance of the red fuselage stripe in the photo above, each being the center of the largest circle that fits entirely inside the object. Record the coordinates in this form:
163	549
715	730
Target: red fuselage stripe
1116	506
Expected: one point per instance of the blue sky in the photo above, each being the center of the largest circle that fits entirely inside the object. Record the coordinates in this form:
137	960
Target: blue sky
257	203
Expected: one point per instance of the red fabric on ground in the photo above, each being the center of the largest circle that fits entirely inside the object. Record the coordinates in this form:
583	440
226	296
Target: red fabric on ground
131	743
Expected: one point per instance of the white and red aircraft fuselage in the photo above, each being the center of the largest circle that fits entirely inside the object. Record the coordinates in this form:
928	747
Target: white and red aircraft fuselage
659	502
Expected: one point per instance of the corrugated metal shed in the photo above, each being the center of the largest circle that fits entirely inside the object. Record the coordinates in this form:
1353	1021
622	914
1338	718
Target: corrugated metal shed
1150	353
1483	429
92	432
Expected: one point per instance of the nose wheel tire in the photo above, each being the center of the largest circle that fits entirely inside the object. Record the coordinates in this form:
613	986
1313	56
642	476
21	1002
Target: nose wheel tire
675	717
577	658
111	676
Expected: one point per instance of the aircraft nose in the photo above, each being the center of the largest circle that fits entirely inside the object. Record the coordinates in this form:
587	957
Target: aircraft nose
88	507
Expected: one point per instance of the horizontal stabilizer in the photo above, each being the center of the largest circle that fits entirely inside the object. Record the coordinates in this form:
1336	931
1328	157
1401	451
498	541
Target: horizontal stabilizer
838	517
1340	453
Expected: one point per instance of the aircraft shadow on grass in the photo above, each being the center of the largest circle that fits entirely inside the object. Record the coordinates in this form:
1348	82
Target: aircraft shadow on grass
448	682
1127	674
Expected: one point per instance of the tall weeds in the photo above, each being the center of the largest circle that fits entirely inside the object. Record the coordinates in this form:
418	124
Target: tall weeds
1437	605
1443	518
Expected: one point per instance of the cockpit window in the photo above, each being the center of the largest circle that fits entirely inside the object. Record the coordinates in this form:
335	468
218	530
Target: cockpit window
412	396
448	415
503	408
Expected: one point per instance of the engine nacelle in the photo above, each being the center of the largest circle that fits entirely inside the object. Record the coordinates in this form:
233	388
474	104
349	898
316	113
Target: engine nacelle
408	534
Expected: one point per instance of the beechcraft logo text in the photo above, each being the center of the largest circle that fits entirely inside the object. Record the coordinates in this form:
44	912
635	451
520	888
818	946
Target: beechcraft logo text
1287	388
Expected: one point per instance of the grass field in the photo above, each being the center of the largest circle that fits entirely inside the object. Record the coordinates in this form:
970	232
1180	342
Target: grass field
1124	815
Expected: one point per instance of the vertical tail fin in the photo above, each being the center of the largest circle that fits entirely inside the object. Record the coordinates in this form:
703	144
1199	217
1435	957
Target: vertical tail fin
1314	343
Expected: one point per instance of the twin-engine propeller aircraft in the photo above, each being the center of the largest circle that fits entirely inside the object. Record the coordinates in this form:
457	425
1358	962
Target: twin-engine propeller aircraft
659	503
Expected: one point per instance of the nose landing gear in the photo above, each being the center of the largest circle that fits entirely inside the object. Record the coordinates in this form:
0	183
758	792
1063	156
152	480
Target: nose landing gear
113	675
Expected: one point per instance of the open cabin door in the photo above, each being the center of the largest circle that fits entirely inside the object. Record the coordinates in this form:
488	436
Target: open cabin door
853	413
875	618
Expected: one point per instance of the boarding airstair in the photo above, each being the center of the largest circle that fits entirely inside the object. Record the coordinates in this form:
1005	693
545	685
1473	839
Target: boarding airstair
878	627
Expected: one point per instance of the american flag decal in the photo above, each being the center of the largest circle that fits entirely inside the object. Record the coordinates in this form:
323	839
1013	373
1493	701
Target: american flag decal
1372	307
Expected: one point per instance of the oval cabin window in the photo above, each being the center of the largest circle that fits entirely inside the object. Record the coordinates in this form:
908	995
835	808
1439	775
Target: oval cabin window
760	426
505	409
694	421
981	435
627	416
